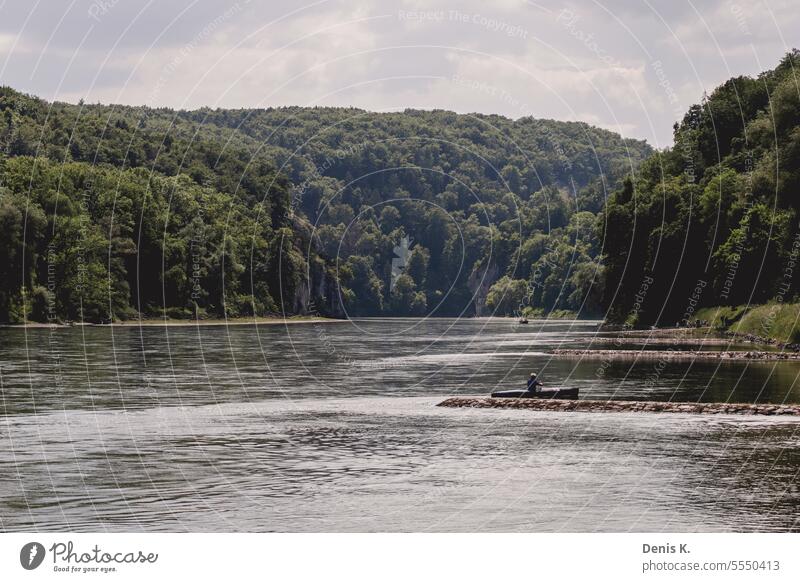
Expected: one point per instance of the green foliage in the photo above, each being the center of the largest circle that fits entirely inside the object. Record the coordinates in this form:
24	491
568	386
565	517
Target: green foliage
720	208
776	320
721	316
780	321
148	244
108	211
361	287
507	296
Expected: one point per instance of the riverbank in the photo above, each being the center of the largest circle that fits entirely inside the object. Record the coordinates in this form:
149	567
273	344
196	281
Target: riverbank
623	406
184	322
773	324
539	313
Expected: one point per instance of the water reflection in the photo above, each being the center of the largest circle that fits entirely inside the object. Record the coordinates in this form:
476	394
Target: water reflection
153	366
332	427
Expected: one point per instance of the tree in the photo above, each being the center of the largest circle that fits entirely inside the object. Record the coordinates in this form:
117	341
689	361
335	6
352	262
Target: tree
363	293
507	296
243	211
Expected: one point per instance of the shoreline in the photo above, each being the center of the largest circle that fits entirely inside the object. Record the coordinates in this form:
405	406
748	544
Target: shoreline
160	322
296	319
752	355
671	340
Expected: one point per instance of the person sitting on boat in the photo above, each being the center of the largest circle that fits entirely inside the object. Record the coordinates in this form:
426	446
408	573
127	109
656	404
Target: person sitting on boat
533	383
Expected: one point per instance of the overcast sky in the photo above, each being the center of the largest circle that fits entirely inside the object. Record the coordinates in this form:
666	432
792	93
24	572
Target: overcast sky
630	66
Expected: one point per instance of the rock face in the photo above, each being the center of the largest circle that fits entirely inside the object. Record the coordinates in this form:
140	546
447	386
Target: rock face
624	406
676	355
479	283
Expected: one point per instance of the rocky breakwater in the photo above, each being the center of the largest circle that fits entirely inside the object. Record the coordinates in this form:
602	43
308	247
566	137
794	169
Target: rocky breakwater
668	341
759	339
678	355
624	406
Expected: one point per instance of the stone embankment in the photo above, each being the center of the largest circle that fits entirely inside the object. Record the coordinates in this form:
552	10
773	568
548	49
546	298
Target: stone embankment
757	339
677	355
624	406
657	331
670	341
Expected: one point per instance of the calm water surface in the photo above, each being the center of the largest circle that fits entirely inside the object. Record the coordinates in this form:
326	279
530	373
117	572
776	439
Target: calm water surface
333	427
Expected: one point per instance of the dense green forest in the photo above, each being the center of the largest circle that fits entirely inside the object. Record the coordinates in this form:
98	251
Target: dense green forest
112	212
713	220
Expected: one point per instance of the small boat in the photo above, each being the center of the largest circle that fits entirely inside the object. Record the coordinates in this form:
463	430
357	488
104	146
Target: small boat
546	393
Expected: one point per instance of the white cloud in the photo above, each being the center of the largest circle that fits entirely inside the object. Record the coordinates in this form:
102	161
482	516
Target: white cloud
511	57
6	42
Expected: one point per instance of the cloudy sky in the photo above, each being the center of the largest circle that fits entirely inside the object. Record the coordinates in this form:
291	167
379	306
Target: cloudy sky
631	66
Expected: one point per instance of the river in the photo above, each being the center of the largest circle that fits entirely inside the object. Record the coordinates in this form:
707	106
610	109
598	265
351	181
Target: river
333	427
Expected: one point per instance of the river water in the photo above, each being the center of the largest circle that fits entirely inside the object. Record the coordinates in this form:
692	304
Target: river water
333	427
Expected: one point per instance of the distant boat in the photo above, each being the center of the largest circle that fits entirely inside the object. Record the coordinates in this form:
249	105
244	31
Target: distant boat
546	393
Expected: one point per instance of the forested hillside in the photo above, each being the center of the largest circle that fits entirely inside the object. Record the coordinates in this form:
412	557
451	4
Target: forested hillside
109	212
713	220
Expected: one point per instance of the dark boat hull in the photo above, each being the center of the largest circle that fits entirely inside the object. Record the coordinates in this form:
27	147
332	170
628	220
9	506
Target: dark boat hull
561	393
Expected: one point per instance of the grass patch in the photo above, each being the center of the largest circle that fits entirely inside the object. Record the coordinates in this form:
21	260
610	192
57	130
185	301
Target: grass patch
721	317
539	313
562	314
776	320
